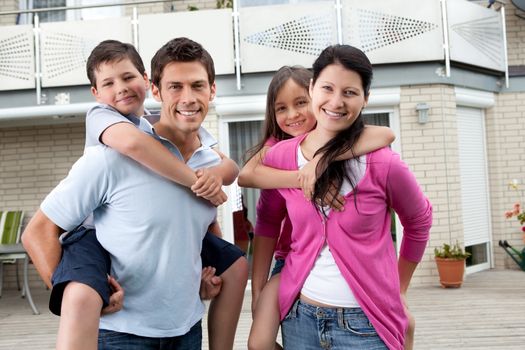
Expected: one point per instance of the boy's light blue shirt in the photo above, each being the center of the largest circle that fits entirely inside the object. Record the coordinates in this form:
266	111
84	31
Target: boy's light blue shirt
152	228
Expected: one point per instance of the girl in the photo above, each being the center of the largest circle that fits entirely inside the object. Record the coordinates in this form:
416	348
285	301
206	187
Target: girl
288	114
342	286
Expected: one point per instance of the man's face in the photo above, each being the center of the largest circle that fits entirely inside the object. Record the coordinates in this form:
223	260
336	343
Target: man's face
185	94
122	86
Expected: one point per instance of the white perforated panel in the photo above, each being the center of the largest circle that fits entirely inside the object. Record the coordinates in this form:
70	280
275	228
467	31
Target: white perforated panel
17	65
290	34
214	32
394	31
66	46
475	35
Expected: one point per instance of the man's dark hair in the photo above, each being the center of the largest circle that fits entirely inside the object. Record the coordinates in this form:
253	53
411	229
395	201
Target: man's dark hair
180	50
112	51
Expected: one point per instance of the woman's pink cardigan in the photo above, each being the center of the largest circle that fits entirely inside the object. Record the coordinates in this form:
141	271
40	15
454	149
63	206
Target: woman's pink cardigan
358	237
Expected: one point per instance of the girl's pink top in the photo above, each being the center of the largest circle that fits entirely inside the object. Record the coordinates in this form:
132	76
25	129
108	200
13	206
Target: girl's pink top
283	232
358	237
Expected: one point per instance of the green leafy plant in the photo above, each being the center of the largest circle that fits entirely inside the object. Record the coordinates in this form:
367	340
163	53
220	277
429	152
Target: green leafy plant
192	8
451	252
222	4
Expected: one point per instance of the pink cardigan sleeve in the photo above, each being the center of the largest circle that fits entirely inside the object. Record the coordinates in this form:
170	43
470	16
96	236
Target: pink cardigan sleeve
412	207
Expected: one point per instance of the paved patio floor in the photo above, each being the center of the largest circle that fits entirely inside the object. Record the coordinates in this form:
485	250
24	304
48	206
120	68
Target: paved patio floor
488	312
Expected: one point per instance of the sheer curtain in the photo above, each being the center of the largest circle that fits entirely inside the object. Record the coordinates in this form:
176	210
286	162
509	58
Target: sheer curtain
243	136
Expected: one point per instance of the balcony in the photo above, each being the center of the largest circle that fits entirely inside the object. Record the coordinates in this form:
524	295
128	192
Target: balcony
256	39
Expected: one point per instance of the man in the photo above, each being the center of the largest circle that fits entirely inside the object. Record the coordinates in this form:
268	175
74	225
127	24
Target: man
152	229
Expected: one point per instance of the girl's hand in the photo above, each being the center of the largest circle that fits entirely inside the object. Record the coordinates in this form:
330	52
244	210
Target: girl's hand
334	199
308	176
209	187
116	300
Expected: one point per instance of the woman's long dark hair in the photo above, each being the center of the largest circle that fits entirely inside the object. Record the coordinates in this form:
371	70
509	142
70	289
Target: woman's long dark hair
301	76
355	60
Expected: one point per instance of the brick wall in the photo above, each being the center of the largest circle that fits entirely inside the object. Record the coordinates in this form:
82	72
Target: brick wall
8	5
431	152
32	161
515	35
505	124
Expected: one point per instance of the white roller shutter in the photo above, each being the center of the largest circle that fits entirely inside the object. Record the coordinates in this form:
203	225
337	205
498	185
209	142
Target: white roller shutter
473	175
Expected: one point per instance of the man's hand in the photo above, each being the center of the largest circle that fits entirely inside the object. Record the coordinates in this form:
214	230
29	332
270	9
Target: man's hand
116	300
209	187
210	284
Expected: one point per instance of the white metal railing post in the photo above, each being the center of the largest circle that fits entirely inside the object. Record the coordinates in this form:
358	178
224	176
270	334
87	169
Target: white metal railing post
446	47
338	13
236	43
38	71
505	53
135	27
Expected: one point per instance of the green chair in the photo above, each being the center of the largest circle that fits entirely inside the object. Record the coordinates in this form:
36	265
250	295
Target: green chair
11	250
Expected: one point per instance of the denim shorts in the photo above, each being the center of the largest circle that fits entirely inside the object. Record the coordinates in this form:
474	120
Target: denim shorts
277	267
111	340
308	327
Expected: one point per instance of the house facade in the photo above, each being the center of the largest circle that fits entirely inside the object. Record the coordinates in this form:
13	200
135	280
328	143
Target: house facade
449	80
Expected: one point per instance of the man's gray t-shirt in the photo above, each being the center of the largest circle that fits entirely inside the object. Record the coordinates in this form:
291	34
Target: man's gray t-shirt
152	229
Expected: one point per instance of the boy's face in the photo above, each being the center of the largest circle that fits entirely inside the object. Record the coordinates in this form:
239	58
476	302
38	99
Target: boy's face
185	94
122	86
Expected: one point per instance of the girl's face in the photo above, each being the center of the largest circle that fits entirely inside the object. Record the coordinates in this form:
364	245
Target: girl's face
292	109
337	98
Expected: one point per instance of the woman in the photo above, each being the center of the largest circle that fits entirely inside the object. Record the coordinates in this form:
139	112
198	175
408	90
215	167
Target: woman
341	285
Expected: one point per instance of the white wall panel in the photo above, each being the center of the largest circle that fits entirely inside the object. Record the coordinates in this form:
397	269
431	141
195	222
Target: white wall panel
475	35
394	31
67	45
213	29
17	58
273	36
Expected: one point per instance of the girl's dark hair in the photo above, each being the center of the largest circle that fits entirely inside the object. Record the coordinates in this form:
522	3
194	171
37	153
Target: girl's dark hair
355	60
301	76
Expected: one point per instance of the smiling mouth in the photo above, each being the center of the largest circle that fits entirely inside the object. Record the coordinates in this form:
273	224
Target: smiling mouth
126	99
335	115
295	124
188	114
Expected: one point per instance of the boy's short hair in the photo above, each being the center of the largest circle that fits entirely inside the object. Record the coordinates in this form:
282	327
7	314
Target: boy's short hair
180	50
112	51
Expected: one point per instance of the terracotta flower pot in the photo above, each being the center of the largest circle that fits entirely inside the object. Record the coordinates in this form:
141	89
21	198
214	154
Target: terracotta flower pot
451	272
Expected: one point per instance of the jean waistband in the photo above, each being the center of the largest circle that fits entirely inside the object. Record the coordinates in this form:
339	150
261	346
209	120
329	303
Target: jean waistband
320	311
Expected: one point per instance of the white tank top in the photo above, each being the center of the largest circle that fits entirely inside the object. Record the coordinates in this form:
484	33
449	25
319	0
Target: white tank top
325	283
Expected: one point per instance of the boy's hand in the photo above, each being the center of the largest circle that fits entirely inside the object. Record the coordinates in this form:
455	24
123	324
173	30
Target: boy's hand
210	284
209	187
116	300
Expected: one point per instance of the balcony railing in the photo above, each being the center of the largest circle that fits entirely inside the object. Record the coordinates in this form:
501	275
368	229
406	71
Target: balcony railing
263	38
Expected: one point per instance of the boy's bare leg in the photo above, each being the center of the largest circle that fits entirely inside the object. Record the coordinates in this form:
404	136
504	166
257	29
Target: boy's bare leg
266	318
79	320
225	309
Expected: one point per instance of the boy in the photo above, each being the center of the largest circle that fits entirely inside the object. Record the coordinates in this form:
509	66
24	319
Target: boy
119	83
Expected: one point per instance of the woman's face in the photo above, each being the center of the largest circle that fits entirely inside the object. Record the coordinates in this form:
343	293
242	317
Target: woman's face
292	109
337	98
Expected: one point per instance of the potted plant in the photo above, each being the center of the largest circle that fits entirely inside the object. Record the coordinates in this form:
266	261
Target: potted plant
450	262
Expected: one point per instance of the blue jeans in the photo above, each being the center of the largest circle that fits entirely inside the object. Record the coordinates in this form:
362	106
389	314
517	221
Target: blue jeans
111	340
308	327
